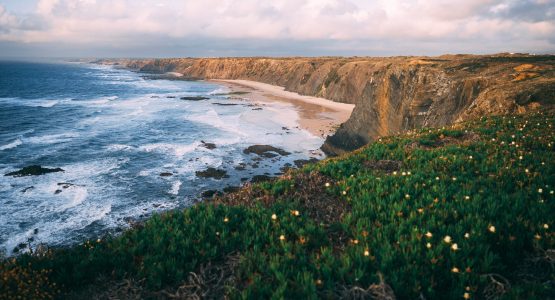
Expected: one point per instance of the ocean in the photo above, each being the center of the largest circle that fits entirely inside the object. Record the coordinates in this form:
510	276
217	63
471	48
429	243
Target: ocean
113	132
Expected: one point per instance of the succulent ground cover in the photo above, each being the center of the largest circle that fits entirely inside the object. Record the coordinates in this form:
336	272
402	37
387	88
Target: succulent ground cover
449	213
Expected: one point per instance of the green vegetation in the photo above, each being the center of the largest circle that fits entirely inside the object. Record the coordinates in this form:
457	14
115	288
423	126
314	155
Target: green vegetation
464	212
333	77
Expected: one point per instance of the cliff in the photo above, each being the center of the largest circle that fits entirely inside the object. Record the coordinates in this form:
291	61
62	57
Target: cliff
392	95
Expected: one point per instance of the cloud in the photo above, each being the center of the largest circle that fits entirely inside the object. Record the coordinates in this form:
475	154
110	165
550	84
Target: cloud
431	26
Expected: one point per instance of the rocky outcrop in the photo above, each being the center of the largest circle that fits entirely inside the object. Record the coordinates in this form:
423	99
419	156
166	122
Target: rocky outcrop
34	170
394	94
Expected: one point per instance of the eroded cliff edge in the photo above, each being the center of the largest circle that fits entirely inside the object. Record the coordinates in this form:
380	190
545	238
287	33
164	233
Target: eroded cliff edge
391	95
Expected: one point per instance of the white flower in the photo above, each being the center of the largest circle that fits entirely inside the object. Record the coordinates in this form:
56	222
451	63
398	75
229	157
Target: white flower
454	247
540	191
428	234
344	193
455	270
520	157
366	253
327	184
404	173
282	237
437	178
545	226
447	239
467	197
467	235
274	217
226	220
407	196
394	172
428	245
491	228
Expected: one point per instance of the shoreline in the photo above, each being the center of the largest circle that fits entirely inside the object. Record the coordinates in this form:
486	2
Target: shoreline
319	116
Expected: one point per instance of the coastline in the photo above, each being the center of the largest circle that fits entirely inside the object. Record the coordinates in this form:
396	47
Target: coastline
319	116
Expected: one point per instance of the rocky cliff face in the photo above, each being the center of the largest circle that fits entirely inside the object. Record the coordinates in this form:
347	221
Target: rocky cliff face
391	95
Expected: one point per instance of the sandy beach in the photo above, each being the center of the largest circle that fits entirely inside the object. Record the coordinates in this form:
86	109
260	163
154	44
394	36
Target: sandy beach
319	116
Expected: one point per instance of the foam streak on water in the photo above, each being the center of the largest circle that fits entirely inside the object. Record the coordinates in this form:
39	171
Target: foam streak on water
114	132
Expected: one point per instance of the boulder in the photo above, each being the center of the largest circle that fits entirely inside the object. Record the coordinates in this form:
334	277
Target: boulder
265	151
212	173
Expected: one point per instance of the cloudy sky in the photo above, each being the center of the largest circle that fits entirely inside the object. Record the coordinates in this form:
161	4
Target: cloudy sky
162	28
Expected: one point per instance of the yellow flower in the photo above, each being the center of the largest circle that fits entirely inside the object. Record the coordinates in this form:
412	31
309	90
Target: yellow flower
226	220
319	282
437	178
537	237
491	229
455	270
540	191
420	210
394	172
296	213
404	173
429	234
344	193
274	217
467	235
355	241
467	197
447	239
282	237
407	196
545	226
466	296
454	178
428	245
366	252
454	247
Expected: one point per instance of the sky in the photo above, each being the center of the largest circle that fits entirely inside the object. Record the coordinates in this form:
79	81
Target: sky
214	28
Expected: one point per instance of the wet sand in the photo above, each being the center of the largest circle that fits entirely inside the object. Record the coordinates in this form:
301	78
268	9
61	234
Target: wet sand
319	116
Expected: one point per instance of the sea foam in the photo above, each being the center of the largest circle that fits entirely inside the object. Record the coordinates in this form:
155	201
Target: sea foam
11	145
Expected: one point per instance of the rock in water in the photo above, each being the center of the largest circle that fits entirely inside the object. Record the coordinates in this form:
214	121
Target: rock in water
34	170
265	150
209	146
194	98
212	173
166	174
